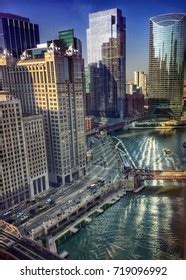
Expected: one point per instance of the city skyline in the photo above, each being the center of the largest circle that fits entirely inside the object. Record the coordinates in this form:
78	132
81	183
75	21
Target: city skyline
137	21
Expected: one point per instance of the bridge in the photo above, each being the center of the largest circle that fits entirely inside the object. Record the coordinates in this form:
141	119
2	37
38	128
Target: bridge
112	126
108	127
178	175
14	246
140	175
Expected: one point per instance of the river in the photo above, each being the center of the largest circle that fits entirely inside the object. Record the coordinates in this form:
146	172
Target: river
147	225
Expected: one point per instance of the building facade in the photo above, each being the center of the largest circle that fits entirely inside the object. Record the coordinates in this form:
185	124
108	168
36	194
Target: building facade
167	60
14	184
24	172
135	104
130	87
140	80
17	34
52	84
36	154
89	123
106	59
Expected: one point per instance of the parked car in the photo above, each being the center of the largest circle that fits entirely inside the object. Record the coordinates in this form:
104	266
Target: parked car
24	217
19	214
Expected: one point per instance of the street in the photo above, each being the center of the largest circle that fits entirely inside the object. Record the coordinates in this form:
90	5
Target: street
104	165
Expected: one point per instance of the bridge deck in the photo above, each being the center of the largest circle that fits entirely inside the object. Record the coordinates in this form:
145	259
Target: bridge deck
164	175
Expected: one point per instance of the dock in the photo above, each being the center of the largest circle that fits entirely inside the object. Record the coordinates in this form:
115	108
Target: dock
88	219
73	229
111	202
99	210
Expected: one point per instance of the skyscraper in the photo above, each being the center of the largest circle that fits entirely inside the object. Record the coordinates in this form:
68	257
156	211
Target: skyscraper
17	34
24	172
51	83
14	181
167	60
140	79
106	59
67	39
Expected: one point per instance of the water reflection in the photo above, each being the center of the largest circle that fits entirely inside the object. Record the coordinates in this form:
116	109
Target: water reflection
147	225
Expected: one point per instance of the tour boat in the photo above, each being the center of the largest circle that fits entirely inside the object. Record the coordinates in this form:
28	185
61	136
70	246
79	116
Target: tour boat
167	151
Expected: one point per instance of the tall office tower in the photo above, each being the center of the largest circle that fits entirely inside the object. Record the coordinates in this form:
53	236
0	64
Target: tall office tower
167	60
24	168
68	40
52	84
14	184
140	79
106	52
17	34
87	91
36	153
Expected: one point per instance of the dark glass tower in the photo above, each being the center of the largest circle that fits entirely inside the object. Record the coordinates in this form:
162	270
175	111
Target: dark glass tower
17	34
167	60
67	39
67	36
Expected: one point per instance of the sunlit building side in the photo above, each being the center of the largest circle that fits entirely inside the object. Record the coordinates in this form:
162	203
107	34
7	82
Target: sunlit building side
24	172
140	80
51	83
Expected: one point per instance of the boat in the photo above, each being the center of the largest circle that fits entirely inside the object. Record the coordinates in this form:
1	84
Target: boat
184	145
167	151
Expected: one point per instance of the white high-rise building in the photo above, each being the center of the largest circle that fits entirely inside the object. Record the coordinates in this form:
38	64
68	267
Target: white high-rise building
140	79
52	84
14	184
24	172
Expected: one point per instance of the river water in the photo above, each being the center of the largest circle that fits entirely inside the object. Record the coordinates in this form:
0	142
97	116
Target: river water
147	225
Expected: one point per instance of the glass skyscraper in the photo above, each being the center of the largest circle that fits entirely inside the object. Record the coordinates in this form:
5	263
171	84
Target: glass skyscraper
167	60
17	34
106	60
68	37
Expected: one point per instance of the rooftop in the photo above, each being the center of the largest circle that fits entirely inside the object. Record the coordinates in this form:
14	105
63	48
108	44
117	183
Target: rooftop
13	16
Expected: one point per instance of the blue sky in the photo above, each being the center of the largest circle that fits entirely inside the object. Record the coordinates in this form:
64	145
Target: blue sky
55	15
